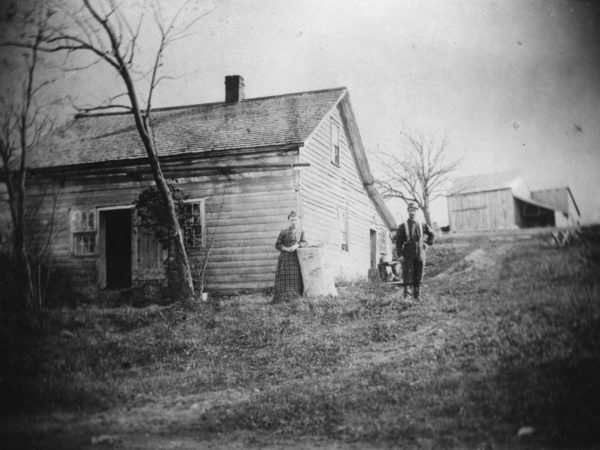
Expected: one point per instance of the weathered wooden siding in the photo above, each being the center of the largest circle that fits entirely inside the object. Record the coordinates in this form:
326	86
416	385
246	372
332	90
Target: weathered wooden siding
482	211
244	214
87	194
325	188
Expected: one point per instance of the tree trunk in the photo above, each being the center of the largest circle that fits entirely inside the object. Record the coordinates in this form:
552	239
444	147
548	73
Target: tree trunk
427	215
26	307
144	128
181	260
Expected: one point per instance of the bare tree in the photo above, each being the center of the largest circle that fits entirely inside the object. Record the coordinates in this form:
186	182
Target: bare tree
419	174
23	124
103	30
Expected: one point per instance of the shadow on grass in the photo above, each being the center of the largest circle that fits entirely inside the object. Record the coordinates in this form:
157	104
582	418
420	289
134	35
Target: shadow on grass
560	399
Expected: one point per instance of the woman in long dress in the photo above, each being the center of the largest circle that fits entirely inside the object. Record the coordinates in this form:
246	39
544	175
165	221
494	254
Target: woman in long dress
288	277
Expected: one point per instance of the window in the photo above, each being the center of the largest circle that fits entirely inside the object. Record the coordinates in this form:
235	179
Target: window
343	226
383	240
83	232
335	143
192	223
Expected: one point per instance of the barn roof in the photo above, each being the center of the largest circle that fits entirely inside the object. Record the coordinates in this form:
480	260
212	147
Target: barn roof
485	182
259	122
557	197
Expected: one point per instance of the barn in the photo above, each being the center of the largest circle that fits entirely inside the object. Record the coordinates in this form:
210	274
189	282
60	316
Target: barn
242	164
503	200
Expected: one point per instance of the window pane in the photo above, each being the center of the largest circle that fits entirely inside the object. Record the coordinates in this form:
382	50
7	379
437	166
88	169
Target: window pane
84	243
335	142
191	224
343	226
75	220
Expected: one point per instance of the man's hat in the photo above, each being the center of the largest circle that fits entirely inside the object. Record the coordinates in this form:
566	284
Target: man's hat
410	206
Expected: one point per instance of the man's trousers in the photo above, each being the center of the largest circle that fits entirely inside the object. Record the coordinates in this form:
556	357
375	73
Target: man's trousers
412	271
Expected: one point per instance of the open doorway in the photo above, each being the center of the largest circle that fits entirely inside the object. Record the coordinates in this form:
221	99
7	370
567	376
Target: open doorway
115	258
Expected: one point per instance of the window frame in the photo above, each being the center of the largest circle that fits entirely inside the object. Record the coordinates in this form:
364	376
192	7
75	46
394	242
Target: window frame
202	215
83	236
334	142
383	239
343	228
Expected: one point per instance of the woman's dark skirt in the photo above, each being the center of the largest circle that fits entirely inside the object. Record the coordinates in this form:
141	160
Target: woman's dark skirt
288	278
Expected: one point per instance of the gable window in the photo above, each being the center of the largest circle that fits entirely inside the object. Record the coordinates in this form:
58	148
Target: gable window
83	232
343	226
192	221
335	142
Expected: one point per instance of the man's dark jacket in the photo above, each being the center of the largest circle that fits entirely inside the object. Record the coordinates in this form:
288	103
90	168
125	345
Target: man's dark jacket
411	244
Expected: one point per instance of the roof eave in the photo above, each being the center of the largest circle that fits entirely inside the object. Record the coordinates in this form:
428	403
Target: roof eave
361	161
574	202
536	203
121	163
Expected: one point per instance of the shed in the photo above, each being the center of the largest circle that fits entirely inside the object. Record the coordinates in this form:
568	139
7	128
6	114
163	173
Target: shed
503	200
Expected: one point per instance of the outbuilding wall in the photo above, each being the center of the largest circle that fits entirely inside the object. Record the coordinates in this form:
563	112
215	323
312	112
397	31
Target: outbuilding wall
488	210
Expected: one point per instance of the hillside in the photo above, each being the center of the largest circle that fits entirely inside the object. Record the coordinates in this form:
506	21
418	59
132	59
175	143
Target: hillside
506	341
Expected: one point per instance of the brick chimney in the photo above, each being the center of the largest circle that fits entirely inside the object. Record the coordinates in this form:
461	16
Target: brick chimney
234	89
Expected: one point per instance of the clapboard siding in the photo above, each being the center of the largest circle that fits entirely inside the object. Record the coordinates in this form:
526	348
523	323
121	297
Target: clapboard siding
244	214
248	210
326	188
483	210
253	216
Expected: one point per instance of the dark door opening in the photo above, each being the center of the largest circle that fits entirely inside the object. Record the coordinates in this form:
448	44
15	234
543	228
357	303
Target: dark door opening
118	248
534	216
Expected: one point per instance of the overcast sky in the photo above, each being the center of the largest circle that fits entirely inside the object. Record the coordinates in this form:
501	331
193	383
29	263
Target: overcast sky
515	84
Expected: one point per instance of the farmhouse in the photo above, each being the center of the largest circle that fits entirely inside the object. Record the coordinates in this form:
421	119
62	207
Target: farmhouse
502	201
242	164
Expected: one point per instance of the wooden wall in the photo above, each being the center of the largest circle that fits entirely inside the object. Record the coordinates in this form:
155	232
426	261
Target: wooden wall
244	214
326	187
571	219
483	211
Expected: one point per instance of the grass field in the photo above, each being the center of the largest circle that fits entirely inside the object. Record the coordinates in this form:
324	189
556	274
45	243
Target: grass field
506	339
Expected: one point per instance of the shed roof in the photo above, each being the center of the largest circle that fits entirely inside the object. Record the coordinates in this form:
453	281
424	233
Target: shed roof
534	202
259	122
485	182
557	197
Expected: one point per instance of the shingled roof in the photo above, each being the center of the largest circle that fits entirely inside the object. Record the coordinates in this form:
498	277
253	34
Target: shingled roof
259	122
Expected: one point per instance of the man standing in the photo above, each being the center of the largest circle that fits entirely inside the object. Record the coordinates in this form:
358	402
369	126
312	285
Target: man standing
410	245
